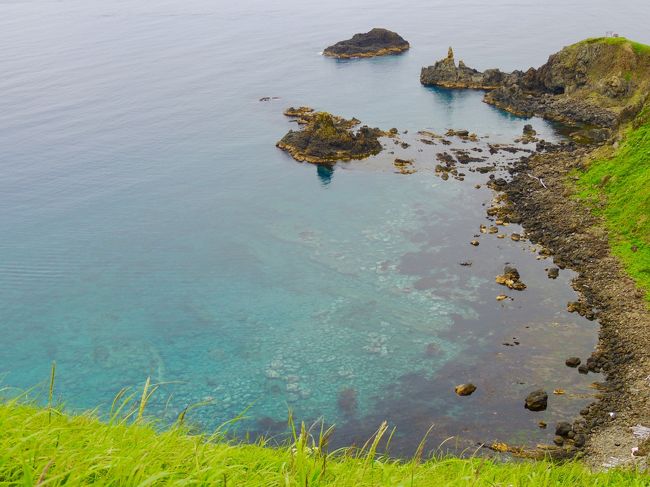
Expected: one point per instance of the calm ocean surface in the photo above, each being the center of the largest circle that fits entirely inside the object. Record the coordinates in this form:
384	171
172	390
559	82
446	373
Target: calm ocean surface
149	226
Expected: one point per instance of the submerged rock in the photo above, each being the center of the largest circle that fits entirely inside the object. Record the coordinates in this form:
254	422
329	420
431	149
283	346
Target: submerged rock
377	42
327	138
404	166
537	400
347	400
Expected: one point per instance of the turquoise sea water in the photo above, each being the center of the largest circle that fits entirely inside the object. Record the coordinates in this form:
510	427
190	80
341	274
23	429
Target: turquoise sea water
151	228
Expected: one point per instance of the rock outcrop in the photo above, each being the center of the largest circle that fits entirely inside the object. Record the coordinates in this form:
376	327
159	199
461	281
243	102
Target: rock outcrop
598	82
327	138
377	42
445	73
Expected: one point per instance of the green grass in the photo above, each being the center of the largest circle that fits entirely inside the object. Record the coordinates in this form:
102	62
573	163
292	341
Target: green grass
641	49
44	446
618	188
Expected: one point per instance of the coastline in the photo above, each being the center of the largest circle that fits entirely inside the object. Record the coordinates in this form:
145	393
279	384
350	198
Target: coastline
600	87
578	240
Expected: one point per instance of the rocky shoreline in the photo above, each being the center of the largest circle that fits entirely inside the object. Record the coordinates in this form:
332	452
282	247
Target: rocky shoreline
540	198
578	241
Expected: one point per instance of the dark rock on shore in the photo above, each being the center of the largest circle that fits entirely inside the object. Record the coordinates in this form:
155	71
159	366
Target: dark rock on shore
377	42
563	429
326	138
537	400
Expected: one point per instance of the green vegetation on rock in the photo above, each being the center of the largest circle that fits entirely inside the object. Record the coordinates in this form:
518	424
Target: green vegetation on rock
327	138
43	446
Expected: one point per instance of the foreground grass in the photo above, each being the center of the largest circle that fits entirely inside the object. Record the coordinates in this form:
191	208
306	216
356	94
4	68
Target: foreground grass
43	446
618	187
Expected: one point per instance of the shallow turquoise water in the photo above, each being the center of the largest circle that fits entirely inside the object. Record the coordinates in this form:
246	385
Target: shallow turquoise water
150	226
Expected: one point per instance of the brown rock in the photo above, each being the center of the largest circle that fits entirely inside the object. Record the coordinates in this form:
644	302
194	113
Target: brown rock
465	389
537	400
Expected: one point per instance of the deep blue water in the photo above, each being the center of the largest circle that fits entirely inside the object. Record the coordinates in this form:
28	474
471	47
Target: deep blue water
151	228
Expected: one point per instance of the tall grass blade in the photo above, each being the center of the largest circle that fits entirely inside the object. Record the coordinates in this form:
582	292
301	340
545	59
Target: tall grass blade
50	396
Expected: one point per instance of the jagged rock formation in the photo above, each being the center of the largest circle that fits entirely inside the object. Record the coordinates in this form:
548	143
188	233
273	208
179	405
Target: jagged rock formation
327	138
446	74
598	82
377	42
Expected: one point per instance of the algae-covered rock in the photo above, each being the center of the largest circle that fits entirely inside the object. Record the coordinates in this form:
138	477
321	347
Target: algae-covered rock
327	138
377	42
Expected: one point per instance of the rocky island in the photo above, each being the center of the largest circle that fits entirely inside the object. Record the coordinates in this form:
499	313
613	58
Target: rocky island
591	83
377	42
327	138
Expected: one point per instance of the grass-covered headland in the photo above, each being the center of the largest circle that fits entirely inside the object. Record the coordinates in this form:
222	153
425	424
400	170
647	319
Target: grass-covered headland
46	446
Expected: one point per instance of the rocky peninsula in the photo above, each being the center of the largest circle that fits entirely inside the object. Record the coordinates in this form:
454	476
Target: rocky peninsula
377	42
327	138
596	84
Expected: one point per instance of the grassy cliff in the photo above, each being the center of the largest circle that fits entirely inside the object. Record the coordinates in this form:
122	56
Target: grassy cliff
616	182
41	446
609	72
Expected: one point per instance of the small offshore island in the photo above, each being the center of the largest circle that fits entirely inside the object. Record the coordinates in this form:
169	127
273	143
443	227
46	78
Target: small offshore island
377	42
327	138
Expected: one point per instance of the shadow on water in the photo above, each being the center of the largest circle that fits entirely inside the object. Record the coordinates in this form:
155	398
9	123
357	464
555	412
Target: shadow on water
325	173
451	96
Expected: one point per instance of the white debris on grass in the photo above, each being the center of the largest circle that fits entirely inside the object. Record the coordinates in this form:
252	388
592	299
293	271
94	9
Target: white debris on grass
641	432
